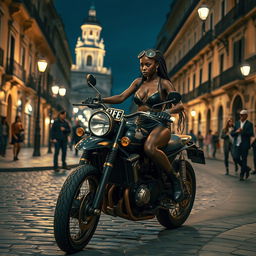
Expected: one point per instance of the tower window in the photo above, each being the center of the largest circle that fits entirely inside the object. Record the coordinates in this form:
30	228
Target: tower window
90	32
89	60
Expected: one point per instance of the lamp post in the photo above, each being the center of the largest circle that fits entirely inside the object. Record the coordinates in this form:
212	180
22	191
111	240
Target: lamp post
42	65
203	12
49	139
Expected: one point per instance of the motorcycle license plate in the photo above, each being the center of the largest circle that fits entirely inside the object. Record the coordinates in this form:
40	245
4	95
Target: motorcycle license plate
117	114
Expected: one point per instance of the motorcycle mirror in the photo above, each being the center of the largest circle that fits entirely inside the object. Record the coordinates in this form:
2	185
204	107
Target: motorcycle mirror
91	80
175	97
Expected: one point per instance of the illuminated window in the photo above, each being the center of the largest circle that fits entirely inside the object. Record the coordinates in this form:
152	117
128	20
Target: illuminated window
89	60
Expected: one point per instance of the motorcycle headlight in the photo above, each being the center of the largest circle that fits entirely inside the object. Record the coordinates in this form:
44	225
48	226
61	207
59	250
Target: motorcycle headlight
100	123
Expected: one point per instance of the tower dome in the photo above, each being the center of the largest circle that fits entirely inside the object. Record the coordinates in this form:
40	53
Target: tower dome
90	48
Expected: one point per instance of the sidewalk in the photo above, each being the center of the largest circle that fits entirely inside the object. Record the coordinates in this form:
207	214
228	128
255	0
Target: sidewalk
27	162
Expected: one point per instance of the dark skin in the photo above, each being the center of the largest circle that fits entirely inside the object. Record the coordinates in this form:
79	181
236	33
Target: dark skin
160	136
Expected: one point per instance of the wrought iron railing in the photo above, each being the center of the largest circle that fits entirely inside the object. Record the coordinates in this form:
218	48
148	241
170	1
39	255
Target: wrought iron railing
228	76
35	14
15	69
206	39
32	81
233	15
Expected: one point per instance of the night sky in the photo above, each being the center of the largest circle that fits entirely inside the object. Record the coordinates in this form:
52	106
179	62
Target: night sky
128	28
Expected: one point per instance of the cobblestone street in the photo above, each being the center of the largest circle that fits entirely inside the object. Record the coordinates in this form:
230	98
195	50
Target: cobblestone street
221	221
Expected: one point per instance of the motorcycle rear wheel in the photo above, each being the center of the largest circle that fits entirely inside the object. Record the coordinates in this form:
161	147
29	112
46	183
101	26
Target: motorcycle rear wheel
72	228
175	217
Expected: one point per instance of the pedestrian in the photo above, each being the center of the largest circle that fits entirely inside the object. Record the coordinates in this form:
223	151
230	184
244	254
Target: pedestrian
60	132
75	137
215	144
228	145
253	144
242	133
193	136
208	142
4	135
17	137
200	139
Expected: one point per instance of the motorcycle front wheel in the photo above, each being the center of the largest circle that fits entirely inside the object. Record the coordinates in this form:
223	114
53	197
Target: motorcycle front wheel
178	214
73	229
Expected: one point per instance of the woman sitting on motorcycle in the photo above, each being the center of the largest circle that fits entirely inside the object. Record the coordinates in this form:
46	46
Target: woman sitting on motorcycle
150	89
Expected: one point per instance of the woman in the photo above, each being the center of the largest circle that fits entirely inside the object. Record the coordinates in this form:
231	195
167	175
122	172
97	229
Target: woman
17	137
228	144
153	88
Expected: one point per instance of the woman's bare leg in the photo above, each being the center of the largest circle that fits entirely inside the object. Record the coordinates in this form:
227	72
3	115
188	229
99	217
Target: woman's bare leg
158	138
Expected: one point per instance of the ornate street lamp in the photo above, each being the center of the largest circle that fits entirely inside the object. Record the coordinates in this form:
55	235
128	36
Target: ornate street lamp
55	90
62	91
245	69
203	12
42	65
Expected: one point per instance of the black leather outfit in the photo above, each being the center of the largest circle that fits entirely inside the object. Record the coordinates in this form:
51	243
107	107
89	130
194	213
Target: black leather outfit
149	124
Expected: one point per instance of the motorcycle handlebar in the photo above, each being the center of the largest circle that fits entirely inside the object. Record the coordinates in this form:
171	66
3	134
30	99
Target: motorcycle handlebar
148	114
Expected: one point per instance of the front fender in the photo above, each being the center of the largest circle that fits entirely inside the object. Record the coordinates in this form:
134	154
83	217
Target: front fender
91	142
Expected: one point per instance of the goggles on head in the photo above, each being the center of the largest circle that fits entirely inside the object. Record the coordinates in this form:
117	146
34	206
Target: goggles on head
150	53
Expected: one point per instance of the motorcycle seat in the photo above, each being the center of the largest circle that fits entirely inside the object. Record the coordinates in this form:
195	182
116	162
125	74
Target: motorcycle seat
175	143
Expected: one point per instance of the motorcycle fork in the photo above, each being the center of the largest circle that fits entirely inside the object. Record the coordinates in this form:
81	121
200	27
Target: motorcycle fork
182	168
107	168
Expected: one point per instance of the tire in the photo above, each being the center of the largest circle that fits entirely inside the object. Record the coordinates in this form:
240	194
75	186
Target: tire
173	218
70	208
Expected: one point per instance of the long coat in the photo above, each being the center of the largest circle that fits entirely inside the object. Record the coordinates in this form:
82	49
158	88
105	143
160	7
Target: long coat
246	134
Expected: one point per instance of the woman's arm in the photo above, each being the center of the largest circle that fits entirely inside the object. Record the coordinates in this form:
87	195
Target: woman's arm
116	99
168	87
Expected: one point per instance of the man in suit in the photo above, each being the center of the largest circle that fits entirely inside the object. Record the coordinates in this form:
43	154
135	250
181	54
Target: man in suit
242	133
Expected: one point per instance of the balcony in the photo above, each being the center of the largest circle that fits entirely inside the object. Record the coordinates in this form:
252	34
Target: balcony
35	14
206	39
32	82
230	18
15	69
233	15
226	77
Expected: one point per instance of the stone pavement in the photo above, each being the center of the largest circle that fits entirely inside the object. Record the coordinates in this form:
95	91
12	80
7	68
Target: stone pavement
27	162
222	221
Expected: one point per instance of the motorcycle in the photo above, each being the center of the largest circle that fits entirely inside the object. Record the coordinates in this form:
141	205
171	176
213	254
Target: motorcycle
115	177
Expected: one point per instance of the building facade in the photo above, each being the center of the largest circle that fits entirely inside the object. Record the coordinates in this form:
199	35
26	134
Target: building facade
90	53
30	30
204	59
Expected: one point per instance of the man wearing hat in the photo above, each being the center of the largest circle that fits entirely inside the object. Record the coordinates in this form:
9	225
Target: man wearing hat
242	133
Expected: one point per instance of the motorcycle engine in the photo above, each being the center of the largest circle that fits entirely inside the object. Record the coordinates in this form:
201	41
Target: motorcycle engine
142	195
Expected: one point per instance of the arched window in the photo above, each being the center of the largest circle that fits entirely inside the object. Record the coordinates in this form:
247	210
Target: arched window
237	106
89	60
